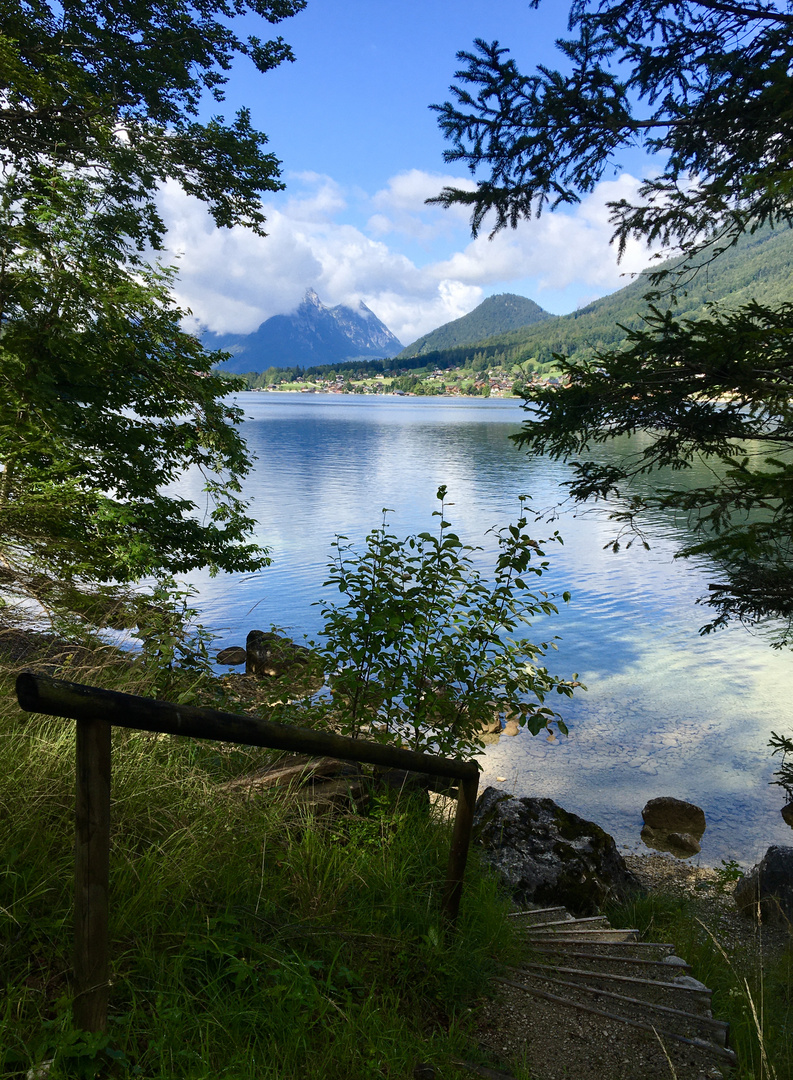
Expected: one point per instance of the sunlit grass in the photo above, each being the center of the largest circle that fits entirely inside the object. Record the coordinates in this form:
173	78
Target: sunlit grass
248	938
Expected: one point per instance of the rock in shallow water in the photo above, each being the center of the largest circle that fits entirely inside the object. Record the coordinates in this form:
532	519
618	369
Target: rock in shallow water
269	654
674	816
681	845
673	825
235	654
548	856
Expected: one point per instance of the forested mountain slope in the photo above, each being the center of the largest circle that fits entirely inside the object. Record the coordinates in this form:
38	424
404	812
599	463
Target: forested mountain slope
495	315
759	267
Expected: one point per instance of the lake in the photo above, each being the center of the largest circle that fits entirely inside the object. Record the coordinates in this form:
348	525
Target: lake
667	712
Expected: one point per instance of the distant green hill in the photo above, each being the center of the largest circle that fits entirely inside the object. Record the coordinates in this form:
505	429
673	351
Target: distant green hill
495	315
759	267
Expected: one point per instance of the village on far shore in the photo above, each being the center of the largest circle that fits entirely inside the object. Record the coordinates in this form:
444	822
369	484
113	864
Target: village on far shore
451	382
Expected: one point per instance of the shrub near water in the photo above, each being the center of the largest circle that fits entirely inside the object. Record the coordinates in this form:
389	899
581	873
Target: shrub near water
424	648
246	941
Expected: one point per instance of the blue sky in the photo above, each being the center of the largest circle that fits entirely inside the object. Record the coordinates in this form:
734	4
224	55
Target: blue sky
361	151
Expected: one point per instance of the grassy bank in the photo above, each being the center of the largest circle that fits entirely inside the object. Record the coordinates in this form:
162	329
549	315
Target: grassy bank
248	938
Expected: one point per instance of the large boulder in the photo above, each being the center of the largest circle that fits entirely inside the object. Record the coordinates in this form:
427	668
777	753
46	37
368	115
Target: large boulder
770	884
545	855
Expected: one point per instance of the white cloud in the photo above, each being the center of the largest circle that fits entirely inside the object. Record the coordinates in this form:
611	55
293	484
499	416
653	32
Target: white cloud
401	206
324	200
557	249
232	280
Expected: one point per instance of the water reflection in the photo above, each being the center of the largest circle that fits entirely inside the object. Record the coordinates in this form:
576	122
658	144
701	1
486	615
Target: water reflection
667	712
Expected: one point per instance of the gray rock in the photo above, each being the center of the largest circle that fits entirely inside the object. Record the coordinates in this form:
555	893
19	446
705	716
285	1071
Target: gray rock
673	961
771	884
232	656
787	813
684	842
546	855
671	815
689	982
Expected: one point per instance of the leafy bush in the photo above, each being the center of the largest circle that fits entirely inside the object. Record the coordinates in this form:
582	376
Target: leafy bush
423	650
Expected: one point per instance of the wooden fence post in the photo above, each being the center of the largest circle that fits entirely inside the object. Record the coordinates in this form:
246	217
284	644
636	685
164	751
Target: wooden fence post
92	876
458	853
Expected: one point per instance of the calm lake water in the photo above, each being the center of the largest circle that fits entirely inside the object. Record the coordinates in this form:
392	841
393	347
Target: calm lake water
667	712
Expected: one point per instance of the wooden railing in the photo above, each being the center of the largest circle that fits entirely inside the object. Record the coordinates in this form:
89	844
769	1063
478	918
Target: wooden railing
96	711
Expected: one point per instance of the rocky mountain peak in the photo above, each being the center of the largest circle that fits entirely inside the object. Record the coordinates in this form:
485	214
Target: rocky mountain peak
313	334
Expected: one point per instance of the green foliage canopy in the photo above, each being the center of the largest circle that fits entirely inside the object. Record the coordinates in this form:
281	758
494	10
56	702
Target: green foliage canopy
703	84
706	86
104	399
115	86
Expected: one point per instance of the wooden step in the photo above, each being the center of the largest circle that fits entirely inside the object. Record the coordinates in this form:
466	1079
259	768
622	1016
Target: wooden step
689	998
587	966
683	1021
537	915
606	962
711	1050
571	945
571	925
576	935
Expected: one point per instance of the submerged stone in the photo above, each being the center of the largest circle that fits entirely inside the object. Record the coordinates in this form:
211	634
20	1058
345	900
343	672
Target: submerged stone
232	656
681	845
271	655
671	815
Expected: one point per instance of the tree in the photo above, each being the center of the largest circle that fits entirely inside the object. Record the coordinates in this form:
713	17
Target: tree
104	399
115	86
706	87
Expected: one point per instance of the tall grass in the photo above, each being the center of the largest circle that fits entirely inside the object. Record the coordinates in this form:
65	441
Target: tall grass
249	939
752	988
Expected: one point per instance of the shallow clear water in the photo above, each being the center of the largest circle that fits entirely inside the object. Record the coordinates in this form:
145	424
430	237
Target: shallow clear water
667	712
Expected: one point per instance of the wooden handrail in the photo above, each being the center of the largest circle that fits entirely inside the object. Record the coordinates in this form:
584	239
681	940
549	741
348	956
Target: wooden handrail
55	697
96	711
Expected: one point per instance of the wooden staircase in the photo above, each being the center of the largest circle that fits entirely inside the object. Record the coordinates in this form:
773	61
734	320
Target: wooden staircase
584	968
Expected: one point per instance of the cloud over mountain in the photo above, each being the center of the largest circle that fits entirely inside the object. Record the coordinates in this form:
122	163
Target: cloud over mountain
415	266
